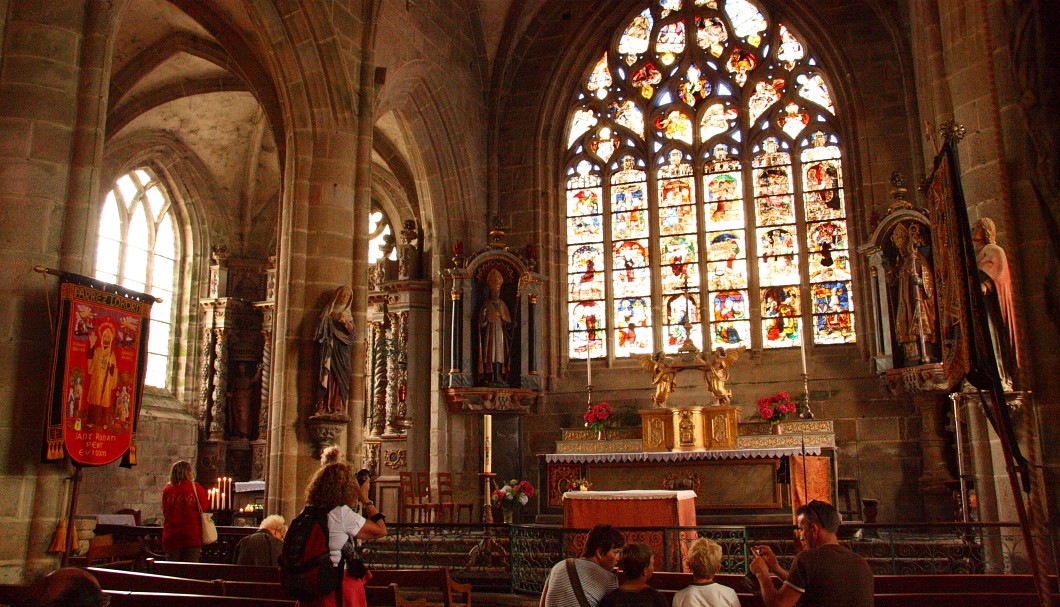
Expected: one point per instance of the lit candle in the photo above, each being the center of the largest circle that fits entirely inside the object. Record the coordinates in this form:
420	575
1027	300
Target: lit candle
487	443
802	352
218	490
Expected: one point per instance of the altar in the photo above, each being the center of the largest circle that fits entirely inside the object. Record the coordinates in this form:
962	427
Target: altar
763	480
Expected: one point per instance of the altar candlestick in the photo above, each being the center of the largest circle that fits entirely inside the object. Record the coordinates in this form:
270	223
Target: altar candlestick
487	443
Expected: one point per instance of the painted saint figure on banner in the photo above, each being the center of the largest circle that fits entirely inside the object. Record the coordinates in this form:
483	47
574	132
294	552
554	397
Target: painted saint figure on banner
102	374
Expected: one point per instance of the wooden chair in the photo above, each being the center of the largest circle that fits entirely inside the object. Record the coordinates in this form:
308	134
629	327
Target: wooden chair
448	510
412	508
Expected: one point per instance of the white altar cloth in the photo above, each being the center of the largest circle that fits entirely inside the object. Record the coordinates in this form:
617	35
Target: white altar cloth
683	456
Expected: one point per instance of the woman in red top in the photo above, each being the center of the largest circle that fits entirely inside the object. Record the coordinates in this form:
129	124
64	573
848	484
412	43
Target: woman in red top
182	528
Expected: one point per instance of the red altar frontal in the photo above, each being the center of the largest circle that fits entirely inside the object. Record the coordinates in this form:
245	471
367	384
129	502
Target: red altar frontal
737	486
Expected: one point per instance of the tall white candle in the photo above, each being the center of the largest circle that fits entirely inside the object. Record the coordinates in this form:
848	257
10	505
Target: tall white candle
802	352
589	365
219	505
487	443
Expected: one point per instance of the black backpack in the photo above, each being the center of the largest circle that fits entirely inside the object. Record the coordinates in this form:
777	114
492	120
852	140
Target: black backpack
306	570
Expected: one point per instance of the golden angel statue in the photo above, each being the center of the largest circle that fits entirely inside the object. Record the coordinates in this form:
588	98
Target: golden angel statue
716	373
663	376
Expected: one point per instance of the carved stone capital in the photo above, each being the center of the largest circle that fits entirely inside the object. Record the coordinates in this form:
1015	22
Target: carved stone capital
915	380
325	432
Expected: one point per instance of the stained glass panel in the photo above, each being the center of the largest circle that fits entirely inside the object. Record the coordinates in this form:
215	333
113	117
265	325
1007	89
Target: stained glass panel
790	51
747	22
679	94
767	92
635	38
600	79
583	120
740	64
717	119
695	87
813	88
627	114
711	34
632	325
585	265
675	125
671	41
646	78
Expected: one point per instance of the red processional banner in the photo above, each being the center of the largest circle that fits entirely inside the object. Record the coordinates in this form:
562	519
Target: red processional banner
98	372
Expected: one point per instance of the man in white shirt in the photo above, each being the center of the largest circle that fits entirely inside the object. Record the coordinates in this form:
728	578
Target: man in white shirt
593	571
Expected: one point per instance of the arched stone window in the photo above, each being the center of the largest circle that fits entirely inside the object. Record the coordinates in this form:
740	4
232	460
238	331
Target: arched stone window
138	249
380	236
704	180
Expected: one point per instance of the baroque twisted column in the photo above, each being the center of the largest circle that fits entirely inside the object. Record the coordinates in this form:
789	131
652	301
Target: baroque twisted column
379	380
394	321
205	375
220	384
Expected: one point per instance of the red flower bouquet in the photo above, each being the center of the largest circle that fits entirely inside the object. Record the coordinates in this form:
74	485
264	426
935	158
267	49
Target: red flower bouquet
596	417
775	409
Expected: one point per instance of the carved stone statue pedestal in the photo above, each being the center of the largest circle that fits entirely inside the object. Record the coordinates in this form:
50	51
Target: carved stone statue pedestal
689	428
325	431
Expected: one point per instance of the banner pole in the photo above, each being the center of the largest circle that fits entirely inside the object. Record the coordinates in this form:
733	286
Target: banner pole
71	532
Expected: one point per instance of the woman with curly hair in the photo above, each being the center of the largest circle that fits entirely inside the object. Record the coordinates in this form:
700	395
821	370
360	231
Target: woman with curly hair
332	487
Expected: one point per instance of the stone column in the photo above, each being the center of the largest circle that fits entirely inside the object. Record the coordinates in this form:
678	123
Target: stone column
935	450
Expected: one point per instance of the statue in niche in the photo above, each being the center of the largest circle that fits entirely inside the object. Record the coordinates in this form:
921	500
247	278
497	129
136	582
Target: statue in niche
335	334
915	318
996	283
242	383
495	321
716	373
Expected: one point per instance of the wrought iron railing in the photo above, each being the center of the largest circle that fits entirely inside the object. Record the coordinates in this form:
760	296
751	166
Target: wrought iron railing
518	557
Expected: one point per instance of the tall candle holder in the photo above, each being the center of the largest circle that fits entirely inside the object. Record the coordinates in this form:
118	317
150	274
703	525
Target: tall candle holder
807	412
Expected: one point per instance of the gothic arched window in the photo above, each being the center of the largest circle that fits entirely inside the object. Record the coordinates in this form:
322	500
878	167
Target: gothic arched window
704	188
138	249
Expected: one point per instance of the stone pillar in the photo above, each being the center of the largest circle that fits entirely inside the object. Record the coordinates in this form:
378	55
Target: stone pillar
936	451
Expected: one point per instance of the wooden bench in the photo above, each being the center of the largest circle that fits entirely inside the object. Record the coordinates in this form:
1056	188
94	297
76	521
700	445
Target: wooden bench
9	593
149	582
389	596
215	571
960	583
426	583
103	551
124	598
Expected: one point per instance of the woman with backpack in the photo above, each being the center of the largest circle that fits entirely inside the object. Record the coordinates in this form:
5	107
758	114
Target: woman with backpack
183	500
332	487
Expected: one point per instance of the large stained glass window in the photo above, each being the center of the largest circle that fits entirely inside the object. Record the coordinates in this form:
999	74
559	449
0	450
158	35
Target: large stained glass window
138	249
704	188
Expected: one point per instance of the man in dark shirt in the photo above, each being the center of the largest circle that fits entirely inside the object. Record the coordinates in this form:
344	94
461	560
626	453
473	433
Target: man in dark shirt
825	575
263	547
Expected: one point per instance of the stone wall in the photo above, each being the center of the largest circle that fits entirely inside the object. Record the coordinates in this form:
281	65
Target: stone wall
165	434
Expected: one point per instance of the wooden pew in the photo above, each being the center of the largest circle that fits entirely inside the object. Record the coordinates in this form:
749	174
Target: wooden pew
114	579
124	598
973	583
424	583
389	596
9	593
215	571
954	599
150	582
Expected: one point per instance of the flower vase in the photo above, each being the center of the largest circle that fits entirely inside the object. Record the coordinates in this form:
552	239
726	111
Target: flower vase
509	515
776	429
599	435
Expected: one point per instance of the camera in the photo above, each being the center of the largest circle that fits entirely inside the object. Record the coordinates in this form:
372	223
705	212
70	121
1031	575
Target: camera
362	475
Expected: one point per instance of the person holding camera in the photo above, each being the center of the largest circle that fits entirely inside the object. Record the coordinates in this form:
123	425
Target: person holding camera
826	574
334	486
